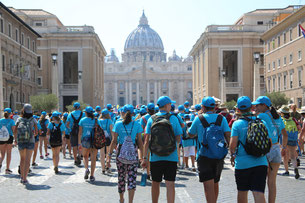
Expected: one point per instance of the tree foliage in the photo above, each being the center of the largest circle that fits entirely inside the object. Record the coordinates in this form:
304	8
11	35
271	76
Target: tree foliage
70	108
278	99
44	102
230	105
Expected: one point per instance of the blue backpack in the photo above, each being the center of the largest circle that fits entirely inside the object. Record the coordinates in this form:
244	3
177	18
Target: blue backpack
213	144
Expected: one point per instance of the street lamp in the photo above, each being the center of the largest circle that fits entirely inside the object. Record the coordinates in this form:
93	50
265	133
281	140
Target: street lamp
256	56
256	76
54	58
80	74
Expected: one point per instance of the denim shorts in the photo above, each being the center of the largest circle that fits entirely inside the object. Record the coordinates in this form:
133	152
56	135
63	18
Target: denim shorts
28	145
292	143
86	142
274	156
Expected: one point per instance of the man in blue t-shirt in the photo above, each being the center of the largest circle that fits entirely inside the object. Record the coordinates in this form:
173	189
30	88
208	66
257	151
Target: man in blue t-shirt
209	169
163	166
250	171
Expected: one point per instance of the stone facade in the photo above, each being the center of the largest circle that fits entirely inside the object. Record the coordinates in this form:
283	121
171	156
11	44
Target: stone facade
284	58
18	61
144	74
223	57
78	73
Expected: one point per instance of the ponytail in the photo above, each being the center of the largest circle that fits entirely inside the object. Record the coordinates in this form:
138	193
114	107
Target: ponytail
127	118
6	114
274	113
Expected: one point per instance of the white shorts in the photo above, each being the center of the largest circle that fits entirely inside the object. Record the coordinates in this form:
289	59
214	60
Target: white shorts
189	151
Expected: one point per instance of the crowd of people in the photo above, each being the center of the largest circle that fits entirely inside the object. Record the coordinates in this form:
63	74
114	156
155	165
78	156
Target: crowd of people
256	136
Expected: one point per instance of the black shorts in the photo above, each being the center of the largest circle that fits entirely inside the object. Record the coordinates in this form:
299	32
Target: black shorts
209	169
166	169
67	136
55	145
10	141
74	141
253	179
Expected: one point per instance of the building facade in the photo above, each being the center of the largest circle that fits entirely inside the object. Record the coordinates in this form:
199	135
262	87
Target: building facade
18	77
223	57
77	73
285	59
145	74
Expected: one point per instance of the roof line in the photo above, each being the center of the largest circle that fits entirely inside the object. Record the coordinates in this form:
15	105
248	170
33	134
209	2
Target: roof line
25	9
19	19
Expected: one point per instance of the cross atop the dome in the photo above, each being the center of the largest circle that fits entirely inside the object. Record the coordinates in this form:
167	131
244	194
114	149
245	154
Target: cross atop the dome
143	19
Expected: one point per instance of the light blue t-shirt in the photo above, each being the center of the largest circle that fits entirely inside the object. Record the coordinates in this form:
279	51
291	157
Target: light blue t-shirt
193	116
105	124
76	114
244	160
8	123
197	128
188	142
177	131
87	125
275	130
62	126
38	126
67	130
131	129
142	122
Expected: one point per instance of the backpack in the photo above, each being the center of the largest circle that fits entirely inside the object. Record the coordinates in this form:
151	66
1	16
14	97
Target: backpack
55	135
162	140
257	142
43	126
128	152
4	134
213	145
108	138
291	129
75	127
24	130
184	136
99	138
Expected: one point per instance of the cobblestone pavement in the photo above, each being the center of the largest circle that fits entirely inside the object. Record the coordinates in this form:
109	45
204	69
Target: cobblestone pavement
70	186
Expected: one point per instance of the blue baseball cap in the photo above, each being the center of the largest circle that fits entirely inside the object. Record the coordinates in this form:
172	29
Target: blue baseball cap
198	107
163	100
89	109
128	107
173	107
109	106
44	113
187	116
96	114
98	108
156	108
181	108
143	106
105	112
187	103
8	110
34	116
262	100
151	106
136	111
55	114
208	102
143	111
66	115
244	103
76	105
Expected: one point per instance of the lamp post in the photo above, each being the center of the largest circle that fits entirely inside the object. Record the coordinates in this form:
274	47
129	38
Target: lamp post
80	85
55	84
256	78
223	84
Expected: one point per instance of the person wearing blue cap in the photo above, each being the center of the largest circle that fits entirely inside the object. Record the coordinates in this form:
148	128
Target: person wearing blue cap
66	140
110	109
267	113
250	171
164	164
188	144
43	140
34	164
127	133
86	127
197	109
209	165
181	110
73	126
107	125
98	110
6	143
156	109
56	133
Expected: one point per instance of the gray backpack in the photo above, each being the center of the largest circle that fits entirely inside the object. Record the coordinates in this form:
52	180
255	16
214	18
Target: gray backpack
24	130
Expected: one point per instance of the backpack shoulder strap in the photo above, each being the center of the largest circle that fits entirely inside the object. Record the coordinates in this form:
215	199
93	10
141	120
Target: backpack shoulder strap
73	117
219	120
59	125
80	117
204	122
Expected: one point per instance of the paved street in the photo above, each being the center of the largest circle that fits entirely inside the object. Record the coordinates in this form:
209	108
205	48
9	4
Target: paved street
69	185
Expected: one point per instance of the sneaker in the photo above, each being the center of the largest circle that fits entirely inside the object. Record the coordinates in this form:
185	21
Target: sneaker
30	171
34	164
47	154
41	157
56	170
285	173
8	171
25	182
92	178
104	172
148	176
87	174
296	172
193	169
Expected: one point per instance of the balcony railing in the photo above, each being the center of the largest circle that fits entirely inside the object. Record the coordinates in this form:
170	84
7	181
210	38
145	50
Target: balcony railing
68	86
233	84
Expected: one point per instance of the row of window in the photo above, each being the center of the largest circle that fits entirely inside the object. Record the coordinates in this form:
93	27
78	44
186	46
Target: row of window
164	85
282	38
16	95
281	84
278	63
7	28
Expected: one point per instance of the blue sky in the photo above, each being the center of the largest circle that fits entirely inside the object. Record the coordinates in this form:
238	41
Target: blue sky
178	22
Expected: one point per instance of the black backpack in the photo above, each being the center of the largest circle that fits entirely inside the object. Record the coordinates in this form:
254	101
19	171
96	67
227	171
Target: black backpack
162	138
75	127
257	142
55	135
43	126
